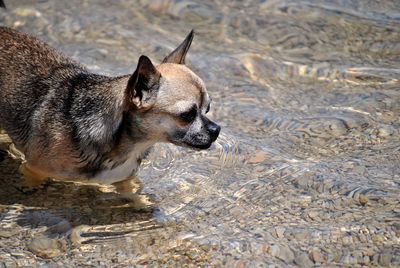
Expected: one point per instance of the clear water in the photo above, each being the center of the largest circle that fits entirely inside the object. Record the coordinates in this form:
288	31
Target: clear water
306	170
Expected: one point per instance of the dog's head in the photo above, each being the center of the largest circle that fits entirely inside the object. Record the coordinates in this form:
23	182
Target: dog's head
170	102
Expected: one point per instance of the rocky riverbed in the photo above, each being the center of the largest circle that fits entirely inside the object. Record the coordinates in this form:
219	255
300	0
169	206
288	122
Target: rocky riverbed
306	171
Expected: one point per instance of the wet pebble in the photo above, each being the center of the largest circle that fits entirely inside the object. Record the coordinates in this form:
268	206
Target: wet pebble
188	10
338	128
317	256
257	158
9	232
385	259
47	247
280	232
26	12
385	131
283	253
314	215
303	260
363	199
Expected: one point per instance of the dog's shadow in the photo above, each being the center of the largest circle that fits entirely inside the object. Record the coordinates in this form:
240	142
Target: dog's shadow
56	202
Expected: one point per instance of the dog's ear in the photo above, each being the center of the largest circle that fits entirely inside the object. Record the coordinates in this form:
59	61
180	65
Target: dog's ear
179	54
143	85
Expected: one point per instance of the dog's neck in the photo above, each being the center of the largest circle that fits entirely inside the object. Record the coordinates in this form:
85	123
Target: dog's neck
119	166
130	147
113	135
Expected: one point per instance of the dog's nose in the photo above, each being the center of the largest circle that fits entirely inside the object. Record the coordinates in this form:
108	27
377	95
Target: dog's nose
213	130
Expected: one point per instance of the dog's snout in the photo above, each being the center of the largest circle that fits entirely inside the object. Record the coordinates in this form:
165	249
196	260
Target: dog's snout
213	130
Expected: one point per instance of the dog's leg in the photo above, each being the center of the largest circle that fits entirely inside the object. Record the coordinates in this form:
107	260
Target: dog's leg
130	189
130	185
32	179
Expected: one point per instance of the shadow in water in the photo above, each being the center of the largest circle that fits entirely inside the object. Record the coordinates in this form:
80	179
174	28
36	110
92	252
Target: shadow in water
55	202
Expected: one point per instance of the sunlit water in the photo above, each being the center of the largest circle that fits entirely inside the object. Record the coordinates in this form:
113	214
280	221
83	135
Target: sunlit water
306	170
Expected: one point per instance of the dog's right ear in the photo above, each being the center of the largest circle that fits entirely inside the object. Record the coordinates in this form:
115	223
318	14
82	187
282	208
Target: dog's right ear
179	54
143	85
2	4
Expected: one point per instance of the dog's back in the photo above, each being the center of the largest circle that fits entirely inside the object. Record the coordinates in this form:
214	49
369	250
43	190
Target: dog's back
25	62
17	48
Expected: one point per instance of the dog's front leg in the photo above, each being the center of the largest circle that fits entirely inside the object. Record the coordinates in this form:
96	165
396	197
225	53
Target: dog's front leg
130	189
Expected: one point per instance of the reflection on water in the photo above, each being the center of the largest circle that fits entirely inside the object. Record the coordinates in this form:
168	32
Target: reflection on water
306	170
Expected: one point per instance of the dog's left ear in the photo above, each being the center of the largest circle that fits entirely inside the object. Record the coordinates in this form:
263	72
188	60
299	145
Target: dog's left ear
143	85
179	54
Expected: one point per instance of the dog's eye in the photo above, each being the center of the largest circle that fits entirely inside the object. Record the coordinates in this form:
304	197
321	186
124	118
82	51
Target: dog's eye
208	108
189	116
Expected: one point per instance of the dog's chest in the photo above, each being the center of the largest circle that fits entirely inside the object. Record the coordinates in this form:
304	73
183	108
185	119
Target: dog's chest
113	172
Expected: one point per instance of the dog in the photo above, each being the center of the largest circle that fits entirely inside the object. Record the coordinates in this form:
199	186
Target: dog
74	125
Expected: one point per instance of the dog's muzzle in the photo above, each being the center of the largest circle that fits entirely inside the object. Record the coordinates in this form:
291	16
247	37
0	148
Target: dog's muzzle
212	130
200	140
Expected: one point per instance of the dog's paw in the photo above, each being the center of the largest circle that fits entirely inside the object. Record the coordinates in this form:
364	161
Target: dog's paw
140	201
129	185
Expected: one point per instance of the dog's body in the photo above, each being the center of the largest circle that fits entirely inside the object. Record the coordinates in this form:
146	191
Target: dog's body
75	125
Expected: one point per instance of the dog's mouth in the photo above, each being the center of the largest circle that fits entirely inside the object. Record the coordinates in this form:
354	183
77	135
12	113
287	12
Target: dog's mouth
192	145
199	146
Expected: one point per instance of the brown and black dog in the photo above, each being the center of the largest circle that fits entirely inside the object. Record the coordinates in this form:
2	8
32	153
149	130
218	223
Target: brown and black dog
72	124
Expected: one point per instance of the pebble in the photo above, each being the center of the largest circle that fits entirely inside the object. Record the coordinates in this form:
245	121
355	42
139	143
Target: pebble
280	232
301	234
347	240
257	158
304	200
366	260
283	253
314	215
9	232
303	260
259	169
386	131
363	199
337	128
26	12
384	259
317	256
46	247
378	238
369	252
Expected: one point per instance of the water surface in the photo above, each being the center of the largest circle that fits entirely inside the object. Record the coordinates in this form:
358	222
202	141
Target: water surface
306	170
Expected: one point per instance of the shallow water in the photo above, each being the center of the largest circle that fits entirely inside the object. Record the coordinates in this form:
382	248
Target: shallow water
306	170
